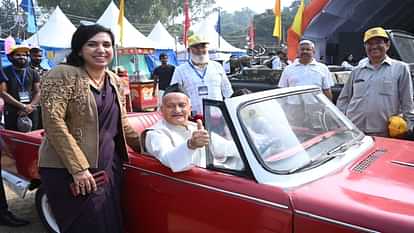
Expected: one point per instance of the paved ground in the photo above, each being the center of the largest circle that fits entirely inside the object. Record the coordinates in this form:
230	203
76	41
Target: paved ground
26	209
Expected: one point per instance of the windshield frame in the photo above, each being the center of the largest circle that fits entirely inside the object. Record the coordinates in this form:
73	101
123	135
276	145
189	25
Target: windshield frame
395	37
253	146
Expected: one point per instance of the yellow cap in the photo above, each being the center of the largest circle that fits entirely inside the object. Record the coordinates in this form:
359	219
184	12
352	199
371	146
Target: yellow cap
397	126
375	32
19	48
195	40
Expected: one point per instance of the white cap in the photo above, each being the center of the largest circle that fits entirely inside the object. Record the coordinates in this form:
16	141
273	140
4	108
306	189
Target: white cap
307	42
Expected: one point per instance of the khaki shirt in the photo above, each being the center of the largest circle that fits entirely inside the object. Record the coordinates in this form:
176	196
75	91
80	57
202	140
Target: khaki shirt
372	95
70	120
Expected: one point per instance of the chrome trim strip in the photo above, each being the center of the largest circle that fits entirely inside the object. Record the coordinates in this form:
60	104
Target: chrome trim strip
329	220
239	195
403	163
25	142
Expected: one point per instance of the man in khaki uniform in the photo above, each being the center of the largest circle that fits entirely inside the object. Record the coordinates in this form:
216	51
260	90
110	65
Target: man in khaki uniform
378	88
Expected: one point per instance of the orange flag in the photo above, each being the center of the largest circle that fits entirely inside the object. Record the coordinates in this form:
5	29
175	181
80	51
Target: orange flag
308	13
121	20
277	30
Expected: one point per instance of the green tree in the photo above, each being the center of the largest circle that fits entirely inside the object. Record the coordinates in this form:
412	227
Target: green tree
234	26
8	18
264	24
138	12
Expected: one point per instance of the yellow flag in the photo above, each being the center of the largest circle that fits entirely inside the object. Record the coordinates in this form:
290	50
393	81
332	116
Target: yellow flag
277	30
121	20
297	21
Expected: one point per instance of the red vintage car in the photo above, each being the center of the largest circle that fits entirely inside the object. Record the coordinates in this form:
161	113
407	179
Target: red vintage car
301	166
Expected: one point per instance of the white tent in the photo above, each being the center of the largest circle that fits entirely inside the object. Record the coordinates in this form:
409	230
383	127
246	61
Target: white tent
206	29
132	38
56	32
163	38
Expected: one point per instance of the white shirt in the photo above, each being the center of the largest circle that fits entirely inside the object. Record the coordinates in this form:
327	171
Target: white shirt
168	143
347	65
226	67
314	73
214	80
277	63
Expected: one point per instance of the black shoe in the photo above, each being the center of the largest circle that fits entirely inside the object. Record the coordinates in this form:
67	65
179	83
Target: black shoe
8	219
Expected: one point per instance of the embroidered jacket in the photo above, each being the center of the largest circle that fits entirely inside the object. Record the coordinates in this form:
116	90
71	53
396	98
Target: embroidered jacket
70	120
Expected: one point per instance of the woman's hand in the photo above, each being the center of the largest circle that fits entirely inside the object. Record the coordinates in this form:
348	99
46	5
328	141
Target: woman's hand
84	182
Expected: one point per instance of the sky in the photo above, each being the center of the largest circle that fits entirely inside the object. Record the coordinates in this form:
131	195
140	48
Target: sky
259	6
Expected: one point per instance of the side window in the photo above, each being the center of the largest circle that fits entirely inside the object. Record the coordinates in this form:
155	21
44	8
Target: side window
222	152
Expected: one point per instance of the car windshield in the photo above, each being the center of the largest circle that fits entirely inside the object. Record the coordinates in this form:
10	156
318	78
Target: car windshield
290	133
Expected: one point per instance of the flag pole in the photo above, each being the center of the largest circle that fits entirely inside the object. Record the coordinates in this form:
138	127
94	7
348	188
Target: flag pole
121	30
219	27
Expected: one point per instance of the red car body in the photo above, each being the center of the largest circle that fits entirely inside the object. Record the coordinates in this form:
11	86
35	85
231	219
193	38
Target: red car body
373	193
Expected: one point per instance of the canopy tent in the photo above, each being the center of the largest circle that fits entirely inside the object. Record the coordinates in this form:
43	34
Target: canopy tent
339	27
56	32
54	37
163	38
132	56
206	29
165	44
218	46
132	38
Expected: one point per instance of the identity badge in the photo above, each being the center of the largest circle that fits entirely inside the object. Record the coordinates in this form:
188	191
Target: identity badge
202	90
24	96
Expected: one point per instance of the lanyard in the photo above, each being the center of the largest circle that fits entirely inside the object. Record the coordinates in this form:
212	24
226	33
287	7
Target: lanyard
20	79
201	76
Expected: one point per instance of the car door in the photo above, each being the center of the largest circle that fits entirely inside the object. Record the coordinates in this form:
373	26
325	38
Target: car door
222	198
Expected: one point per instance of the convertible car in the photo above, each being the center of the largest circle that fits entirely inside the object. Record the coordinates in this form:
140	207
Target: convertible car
300	166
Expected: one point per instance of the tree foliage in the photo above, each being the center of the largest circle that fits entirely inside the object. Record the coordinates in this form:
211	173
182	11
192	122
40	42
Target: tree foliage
137	11
264	24
8	18
234	26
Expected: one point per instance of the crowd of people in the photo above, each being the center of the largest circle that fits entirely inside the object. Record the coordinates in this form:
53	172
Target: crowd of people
87	131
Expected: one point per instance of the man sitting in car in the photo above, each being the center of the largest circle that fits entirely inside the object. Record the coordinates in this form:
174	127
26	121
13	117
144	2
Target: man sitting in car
177	142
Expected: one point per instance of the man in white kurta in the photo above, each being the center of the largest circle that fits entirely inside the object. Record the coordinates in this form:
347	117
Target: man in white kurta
179	143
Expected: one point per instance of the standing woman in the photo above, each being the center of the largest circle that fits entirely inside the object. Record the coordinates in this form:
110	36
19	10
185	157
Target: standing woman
86	131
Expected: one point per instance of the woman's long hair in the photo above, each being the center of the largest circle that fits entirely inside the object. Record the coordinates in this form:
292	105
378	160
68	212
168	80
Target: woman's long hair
80	37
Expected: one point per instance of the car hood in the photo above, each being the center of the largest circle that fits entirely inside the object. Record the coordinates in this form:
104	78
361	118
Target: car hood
376	191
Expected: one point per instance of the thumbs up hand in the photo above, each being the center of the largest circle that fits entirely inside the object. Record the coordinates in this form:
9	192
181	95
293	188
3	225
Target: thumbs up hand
200	137
200	125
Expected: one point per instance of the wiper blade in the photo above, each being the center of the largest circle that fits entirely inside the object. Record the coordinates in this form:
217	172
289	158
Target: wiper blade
325	157
342	148
313	162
